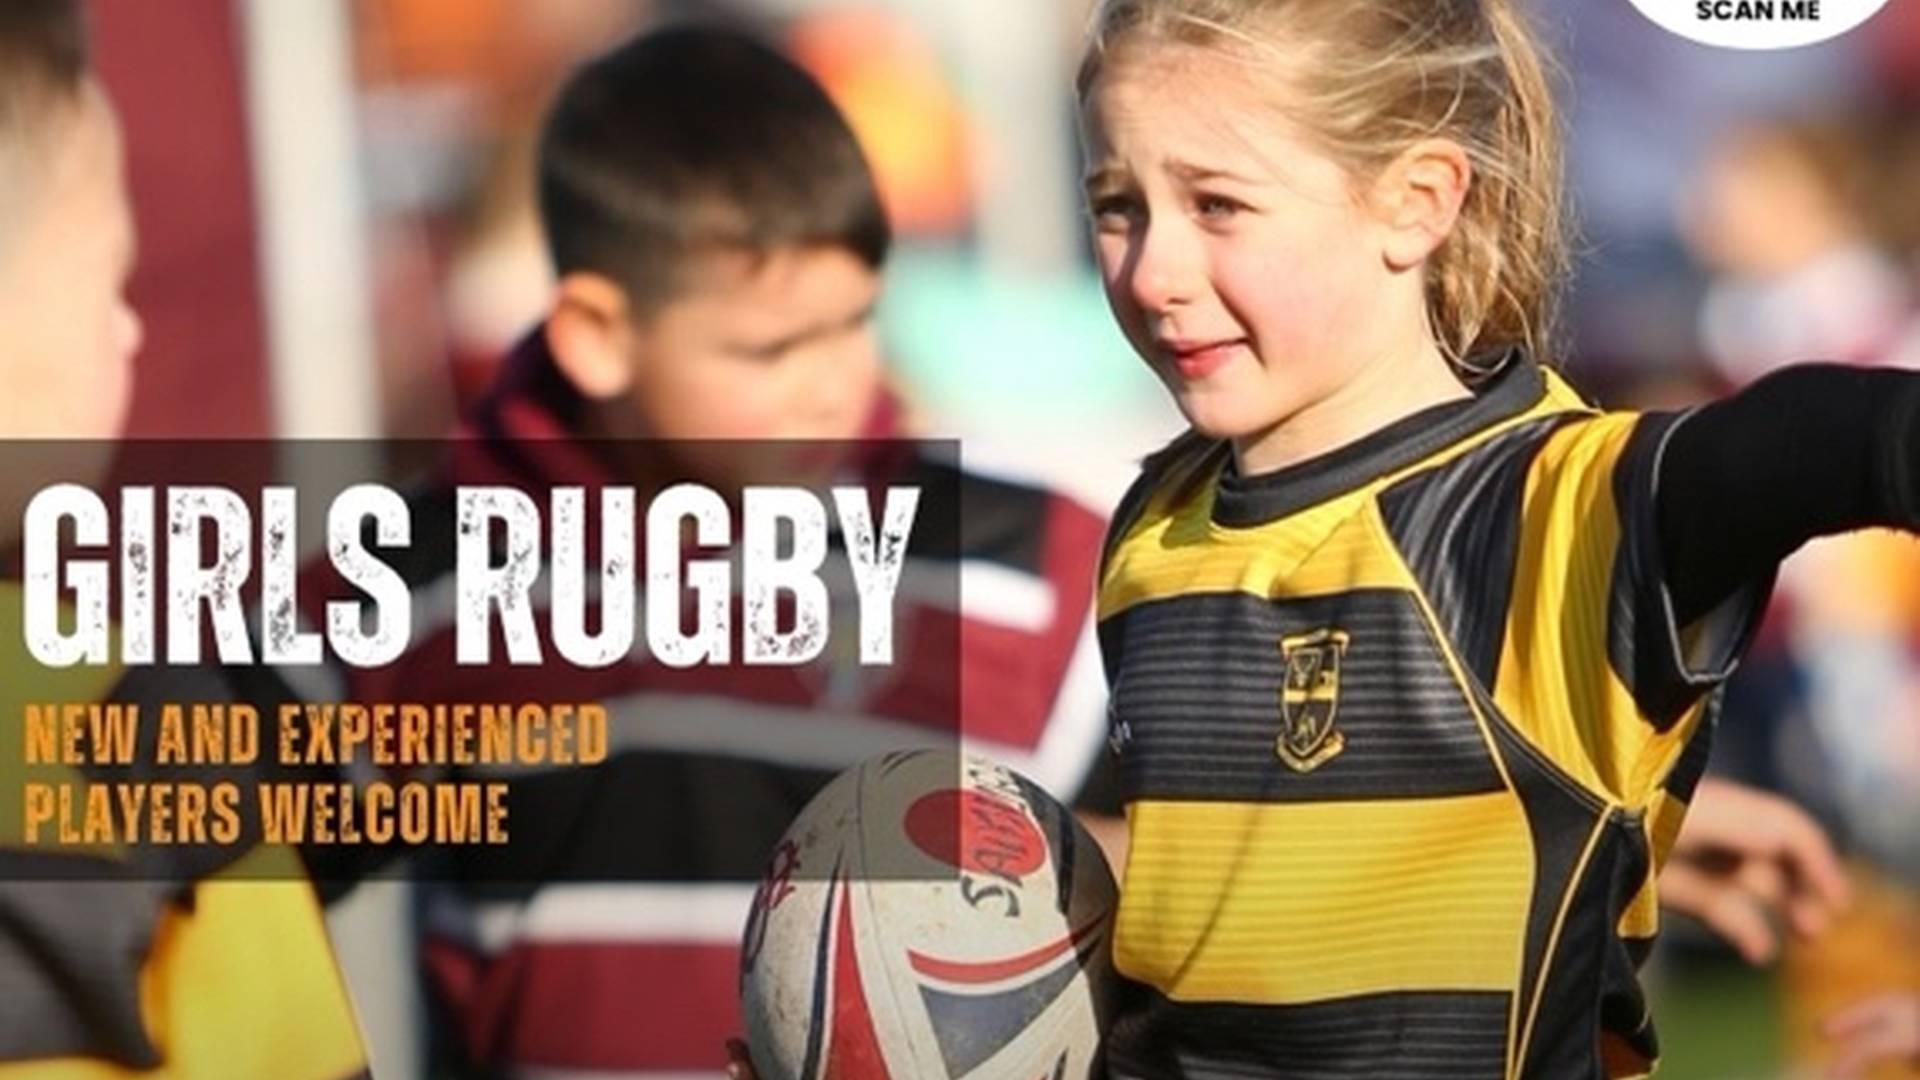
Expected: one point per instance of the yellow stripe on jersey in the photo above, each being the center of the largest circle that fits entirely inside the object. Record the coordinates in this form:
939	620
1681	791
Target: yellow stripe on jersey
1182	552
245	985
1556	681
1173	547
1276	903
1665	812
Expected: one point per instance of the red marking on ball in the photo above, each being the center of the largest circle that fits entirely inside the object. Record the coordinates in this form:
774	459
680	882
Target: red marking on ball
853	1047
977	833
986	971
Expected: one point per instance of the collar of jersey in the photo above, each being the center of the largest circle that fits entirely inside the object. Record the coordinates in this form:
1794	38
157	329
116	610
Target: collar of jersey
1243	502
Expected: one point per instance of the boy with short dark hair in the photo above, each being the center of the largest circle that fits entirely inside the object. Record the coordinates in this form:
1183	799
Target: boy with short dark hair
736	151
718	242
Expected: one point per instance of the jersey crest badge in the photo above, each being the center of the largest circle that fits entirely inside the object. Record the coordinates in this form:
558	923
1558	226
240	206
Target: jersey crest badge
1310	697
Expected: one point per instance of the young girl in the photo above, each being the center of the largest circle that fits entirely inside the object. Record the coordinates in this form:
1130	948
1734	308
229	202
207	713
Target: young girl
1411	649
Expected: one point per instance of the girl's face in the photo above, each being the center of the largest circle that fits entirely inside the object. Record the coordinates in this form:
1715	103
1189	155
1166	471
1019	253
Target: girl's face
1236	256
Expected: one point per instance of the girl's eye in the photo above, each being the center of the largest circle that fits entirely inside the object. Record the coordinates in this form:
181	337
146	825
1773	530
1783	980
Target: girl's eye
757	353
1217	206
1112	211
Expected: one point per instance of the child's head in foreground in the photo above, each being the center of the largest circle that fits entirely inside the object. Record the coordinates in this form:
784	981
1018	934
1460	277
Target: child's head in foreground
67	336
1298	203
718	240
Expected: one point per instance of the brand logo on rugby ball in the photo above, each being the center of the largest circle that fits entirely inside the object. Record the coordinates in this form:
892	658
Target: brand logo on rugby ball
977	834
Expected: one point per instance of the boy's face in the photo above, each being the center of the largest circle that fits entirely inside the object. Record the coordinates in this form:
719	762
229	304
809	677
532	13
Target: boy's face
771	347
67	335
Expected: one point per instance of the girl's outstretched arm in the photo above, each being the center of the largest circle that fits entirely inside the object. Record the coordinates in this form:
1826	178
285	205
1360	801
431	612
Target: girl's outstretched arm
1805	452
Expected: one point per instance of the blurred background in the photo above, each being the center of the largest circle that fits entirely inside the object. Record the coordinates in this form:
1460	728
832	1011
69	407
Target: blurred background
338	240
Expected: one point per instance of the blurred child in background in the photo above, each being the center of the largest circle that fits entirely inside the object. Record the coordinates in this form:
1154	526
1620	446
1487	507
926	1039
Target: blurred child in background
135	962
717	241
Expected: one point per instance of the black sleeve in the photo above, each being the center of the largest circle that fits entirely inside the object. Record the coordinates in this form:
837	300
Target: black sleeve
1805	452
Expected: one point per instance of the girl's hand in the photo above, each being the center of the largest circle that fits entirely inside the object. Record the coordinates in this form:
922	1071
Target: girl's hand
1884	1028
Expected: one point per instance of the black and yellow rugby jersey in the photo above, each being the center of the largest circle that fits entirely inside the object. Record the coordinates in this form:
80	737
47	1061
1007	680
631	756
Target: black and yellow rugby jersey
112	969
1404	734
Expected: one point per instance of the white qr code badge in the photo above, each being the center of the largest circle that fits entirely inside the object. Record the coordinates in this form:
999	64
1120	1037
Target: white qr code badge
1759	24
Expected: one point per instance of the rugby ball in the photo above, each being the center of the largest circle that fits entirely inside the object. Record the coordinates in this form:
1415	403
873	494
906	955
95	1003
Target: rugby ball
929	916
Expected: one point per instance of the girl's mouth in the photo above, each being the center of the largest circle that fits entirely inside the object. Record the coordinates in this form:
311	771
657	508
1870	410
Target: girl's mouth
1193	360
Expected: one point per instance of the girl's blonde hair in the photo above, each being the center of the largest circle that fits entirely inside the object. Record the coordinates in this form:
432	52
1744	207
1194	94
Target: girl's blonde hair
1369	78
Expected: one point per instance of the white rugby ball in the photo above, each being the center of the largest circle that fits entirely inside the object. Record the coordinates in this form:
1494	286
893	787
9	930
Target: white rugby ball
929	916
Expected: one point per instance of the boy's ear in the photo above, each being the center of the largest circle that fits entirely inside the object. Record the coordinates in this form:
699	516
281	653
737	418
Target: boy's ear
590	333
1417	199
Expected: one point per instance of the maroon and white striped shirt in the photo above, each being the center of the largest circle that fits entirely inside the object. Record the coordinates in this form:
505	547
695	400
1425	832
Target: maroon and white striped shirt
603	940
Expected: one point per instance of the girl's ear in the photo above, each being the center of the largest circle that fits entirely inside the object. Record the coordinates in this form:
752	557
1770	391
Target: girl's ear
590	333
1417	199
